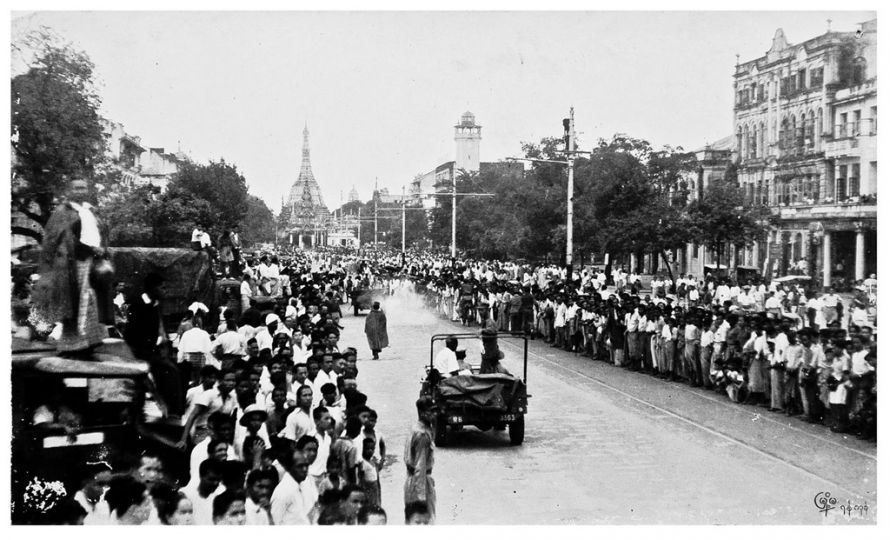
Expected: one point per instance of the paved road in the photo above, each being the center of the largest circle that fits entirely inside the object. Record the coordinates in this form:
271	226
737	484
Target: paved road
606	446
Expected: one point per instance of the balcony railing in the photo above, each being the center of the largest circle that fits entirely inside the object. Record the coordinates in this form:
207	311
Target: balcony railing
865	126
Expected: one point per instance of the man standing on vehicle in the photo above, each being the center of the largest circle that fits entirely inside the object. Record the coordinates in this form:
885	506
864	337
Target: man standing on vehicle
419	486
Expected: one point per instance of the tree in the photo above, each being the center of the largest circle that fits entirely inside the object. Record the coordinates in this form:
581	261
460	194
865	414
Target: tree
722	217
259	223
222	188
56	129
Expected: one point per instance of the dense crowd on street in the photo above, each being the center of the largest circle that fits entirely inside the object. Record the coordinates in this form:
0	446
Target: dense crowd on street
276	429
785	346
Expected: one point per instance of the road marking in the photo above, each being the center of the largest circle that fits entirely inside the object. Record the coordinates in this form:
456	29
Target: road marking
695	424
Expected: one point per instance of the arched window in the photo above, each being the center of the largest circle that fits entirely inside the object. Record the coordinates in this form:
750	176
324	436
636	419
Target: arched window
760	143
754	147
809	133
819	129
800	139
783	130
746	150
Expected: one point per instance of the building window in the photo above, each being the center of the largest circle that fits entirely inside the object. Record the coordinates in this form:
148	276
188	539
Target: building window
810	131
815	77
842	126
874	121
859	71
854	125
841	183
854	180
801	79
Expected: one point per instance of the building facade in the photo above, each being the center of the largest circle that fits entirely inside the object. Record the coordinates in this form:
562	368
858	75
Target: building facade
805	126
138	165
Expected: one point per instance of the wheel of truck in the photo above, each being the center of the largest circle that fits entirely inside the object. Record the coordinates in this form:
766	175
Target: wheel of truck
441	433
517	431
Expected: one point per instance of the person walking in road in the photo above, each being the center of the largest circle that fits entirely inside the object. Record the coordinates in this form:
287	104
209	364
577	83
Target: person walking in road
375	329
419	486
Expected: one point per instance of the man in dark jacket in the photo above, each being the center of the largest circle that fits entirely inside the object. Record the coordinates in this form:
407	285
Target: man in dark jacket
146	337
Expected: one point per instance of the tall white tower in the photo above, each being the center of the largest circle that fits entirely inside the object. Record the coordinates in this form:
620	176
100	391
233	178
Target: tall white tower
467	136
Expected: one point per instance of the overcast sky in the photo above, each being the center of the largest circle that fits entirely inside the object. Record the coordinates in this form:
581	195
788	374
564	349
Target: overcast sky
381	92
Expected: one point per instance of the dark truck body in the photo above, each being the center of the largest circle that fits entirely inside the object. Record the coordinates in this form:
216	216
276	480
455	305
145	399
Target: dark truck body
188	277
107	392
481	400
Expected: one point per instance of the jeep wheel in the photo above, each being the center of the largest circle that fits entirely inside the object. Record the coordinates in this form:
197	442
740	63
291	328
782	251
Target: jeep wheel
517	431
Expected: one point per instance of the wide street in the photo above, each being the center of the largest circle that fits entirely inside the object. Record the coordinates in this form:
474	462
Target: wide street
607	446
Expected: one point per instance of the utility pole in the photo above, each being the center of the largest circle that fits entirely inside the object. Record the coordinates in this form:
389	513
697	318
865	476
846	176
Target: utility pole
403	221
376	195
453	216
570	152
570	161
360	227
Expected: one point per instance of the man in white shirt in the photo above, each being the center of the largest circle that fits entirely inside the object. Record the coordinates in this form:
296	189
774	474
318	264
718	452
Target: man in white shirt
260	483
201	491
230	342
299	422
195	347
264	335
220	399
296	495
446	360
222	427
323	426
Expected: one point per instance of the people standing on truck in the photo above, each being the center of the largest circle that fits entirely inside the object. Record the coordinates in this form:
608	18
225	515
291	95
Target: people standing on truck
235	239
226	257
72	246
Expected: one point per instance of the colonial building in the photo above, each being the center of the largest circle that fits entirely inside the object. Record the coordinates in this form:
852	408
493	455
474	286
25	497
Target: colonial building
308	214
138	165
467	139
805	124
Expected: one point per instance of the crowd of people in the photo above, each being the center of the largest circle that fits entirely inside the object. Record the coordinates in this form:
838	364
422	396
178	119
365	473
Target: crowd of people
784	346
275	427
276	431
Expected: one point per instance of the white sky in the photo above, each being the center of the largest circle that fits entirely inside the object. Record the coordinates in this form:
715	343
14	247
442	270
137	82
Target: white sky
381	91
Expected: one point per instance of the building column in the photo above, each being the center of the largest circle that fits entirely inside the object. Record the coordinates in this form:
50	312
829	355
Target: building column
860	254
826	259
755	255
633	263
689	258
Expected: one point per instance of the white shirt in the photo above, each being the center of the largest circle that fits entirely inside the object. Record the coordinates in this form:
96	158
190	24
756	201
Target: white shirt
202	508
292	501
89	227
230	342
199	454
319	467
263	339
298	423
195	340
446	362
246	289
256	515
